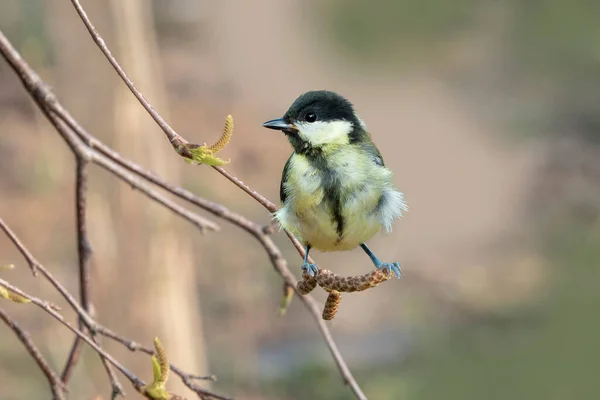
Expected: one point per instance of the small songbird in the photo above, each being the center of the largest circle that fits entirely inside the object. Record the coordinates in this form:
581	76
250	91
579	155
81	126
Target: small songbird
336	191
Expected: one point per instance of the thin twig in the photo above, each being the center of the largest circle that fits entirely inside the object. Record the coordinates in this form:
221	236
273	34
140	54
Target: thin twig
47	101
262	200
44	305
266	203
175	140
72	359
97	328
84	251
56	385
44	98
31	261
186	378
173	136
90	323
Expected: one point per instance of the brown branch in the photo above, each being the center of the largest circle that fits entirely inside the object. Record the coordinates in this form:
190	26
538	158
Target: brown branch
84	251
46	100
72	359
177	141
31	261
93	325
84	254
111	160
266	203
89	322
187	379
200	222
56	385
84	248
136	382
46	306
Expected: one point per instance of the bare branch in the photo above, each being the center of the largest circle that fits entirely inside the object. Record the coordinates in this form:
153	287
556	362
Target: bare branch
56	385
136	382
176	140
44	305
47	103
89	322
187	379
102	155
200	222
84	251
262	200
174	137
31	261
96	328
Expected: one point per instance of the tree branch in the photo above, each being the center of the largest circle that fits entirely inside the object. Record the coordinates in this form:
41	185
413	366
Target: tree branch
47	307
84	251
187	379
174	137
31	261
56	385
109	159
84	254
91	324
177	140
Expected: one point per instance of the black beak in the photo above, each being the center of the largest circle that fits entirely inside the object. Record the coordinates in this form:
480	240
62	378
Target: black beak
280	125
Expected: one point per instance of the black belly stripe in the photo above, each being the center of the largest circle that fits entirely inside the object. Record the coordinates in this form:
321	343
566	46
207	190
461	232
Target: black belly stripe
332	191
339	219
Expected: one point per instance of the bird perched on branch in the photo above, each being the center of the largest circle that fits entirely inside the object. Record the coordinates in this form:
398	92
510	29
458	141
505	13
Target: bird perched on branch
336	191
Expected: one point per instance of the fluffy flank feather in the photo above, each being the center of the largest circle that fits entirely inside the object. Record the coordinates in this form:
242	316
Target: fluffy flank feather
392	206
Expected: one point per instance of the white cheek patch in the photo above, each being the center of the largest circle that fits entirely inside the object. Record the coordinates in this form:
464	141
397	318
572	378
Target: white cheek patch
319	132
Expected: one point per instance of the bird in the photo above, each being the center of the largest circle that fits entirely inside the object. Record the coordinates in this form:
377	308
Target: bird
336	192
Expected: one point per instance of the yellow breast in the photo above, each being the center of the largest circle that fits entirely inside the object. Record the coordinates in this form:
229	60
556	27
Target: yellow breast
308	212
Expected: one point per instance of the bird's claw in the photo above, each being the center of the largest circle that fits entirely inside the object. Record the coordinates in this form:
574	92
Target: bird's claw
310	269
392	268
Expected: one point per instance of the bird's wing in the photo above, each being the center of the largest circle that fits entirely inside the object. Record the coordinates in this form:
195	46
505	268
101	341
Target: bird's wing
370	148
284	177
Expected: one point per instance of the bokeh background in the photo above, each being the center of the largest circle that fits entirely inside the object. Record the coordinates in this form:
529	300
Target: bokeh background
486	111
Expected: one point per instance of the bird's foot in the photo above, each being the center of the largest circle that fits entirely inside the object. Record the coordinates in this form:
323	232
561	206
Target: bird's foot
391	267
310	269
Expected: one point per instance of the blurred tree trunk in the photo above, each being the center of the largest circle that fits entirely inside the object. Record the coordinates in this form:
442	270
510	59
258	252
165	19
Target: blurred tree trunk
163	283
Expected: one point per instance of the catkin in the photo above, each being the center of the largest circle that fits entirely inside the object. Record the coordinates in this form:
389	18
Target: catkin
225	137
330	281
161	356
306	285
331	305
334	284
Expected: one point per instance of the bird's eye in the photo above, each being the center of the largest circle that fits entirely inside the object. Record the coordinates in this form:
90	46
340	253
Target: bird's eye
311	117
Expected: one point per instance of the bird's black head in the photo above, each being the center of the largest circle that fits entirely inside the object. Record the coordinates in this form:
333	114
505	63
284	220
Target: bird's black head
317	119
320	105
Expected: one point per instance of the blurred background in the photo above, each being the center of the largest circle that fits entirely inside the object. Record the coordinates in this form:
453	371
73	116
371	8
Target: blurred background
486	111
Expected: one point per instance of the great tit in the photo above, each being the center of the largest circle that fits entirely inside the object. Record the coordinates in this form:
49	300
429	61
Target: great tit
336	191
